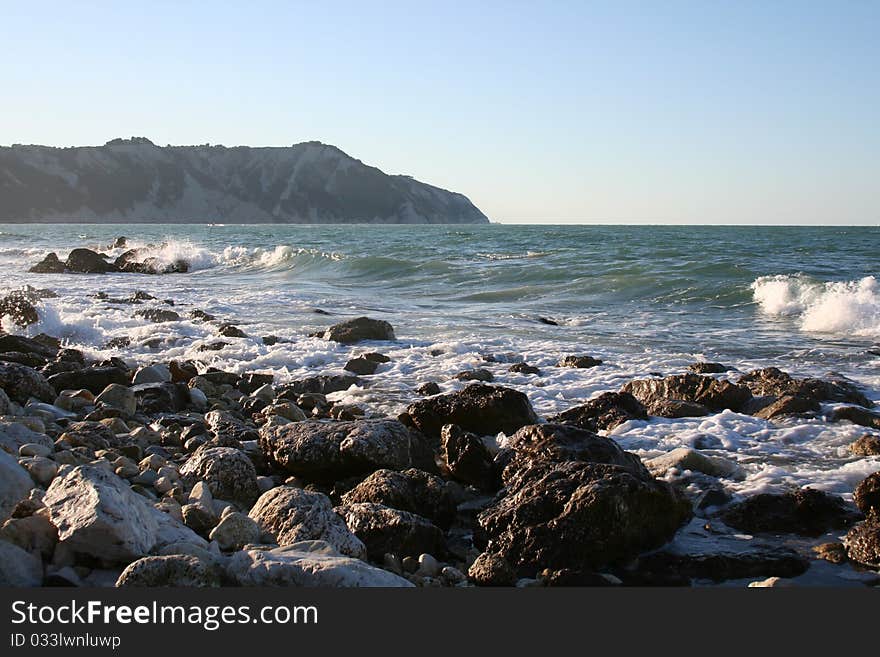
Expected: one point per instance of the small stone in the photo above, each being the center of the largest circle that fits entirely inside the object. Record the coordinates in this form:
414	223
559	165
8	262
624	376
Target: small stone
833	552
235	531
35	449
580	362
428	566
410	564
772	582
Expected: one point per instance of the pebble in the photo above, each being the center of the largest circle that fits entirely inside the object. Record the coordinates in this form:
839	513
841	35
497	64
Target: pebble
428	566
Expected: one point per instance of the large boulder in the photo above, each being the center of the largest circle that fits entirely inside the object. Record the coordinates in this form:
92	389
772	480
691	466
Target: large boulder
307	564
867	494
15	484
48	265
603	413
93	379
411	490
86	261
714	394
482	409
25	345
560	442
329	451
360	328
857	415
19	568
21	383
292	515
579	515
804	511
178	570
385	530
773	382
863	542
789	405
98	516
228	472
467	458
20	310
224	424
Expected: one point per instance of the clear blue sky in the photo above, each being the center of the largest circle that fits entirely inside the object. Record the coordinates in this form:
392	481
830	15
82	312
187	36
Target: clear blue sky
702	112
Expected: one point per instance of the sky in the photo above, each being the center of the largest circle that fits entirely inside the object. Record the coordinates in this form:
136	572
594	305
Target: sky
557	112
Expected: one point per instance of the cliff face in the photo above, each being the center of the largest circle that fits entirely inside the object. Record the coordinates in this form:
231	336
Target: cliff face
134	180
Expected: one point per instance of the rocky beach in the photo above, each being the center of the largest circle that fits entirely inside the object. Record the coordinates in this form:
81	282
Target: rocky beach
131	463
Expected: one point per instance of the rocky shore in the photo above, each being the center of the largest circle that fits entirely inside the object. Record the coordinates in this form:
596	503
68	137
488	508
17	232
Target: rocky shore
178	474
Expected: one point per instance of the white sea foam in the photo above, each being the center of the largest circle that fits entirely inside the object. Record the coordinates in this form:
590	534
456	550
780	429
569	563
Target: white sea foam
841	307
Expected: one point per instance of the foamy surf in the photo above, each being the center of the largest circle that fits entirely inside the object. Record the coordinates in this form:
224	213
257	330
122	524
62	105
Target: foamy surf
836	307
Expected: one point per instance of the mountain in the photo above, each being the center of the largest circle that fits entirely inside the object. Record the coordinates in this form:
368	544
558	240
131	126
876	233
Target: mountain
133	180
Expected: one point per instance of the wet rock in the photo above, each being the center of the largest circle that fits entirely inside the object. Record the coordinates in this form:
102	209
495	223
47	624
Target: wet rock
324	385
330	451
428	389
362	366
228	472
178	570
15	484
789	405
157	315
24	345
479	408
677	408
867	494
383	529
490	569
580	362
93	379
99	516
467	458
774	382
161	397
360	328
479	374
684	458
19	568
48	265
292	515
231	331
708	368
863	542
805	511
722	564
86	261
867	445
714	394
856	415
559	442
832	552
201	316
579	515
21	383
411	490
217	345
307	564
20	310
235	531
524	368
608	410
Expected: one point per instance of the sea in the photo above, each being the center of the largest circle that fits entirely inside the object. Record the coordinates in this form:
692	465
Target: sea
647	300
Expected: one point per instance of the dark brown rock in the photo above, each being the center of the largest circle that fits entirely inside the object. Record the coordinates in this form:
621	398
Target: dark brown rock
804	511
361	366
580	362
360	328
608	410
774	382
231	331
384	530
411	490
857	415
524	368
867	494
479	374
86	261
490	569
48	265
708	368
676	408
467	458
867	445
428	389
789	405
479	408
20	310
712	393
